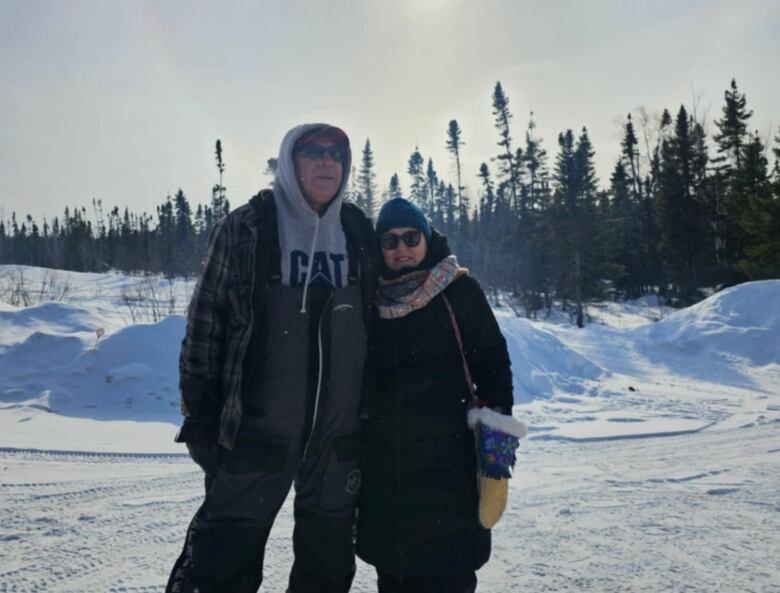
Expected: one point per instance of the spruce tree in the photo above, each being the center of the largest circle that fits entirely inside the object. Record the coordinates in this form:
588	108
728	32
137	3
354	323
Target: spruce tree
531	239
449	207
488	199
394	189
415	170
630	154
164	239
591	230
453	145
184	242
577	241
732	128
534	161
760	216
729	201
506	159
708	229
623	234
632	210
486	238
366	180
220	163
432	183
219	203
680	209
55	251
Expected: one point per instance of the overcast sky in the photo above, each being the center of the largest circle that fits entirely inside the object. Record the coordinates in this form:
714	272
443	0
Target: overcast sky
123	100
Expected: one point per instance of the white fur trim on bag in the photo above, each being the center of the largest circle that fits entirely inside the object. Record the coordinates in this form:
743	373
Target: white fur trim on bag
497	421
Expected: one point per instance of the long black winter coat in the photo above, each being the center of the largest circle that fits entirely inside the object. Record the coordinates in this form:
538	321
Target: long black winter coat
418	507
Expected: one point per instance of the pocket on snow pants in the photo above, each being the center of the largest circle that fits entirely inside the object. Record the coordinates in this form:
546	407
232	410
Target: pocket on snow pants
251	482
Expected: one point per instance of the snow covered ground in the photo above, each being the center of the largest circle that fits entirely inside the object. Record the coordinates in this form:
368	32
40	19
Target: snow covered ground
95	496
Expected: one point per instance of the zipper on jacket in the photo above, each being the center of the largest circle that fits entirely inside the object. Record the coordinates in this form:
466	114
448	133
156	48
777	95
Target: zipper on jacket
394	325
319	376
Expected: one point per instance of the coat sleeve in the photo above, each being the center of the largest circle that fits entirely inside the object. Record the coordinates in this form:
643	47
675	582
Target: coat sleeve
485	346
202	349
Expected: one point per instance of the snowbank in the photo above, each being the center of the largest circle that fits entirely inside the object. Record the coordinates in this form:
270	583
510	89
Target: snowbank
709	366
742	321
543	365
18	323
60	367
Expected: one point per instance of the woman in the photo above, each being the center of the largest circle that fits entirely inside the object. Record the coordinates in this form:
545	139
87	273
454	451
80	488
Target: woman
418	522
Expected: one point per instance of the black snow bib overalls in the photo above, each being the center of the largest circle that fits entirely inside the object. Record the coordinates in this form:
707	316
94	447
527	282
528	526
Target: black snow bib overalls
300	426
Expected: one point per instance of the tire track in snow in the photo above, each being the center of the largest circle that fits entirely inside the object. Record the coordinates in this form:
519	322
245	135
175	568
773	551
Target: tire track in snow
696	513
93	534
101	455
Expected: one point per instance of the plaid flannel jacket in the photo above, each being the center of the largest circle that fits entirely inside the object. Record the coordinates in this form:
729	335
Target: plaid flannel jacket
221	315
219	325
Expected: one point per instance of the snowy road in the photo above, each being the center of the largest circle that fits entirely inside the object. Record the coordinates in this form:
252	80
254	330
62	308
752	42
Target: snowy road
652	465
624	515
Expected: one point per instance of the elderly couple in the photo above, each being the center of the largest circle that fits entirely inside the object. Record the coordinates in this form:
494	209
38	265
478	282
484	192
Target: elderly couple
320	354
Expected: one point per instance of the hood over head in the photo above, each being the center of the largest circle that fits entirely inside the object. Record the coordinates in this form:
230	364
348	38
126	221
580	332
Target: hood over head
286	180
313	246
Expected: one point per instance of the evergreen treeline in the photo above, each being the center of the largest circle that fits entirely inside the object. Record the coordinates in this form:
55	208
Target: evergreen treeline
679	211
171	242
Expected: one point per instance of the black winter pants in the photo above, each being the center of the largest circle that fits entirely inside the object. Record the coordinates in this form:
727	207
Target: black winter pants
225	543
458	583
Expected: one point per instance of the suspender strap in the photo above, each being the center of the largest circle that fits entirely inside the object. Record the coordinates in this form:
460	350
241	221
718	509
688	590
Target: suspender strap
353	268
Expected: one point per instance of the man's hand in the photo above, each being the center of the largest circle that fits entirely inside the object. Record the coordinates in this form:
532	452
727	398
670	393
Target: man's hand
206	454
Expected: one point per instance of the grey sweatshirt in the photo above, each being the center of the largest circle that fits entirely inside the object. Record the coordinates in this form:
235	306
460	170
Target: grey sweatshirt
314	247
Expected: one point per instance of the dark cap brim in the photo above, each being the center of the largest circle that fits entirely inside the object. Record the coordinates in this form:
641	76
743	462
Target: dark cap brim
332	133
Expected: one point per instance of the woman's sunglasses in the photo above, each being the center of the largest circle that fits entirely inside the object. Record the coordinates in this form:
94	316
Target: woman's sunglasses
389	241
317	152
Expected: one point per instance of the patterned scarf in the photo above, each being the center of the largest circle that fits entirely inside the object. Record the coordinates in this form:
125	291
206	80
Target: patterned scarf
399	297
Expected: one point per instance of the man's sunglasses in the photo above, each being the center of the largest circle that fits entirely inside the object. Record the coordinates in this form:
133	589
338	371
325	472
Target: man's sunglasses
389	241
317	152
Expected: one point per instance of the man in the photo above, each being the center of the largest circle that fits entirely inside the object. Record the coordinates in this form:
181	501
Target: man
271	372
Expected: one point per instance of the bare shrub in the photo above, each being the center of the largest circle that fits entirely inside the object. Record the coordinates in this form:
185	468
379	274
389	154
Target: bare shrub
52	289
18	290
145	303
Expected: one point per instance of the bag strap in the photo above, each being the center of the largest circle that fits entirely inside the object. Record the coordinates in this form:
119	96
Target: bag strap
474	400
